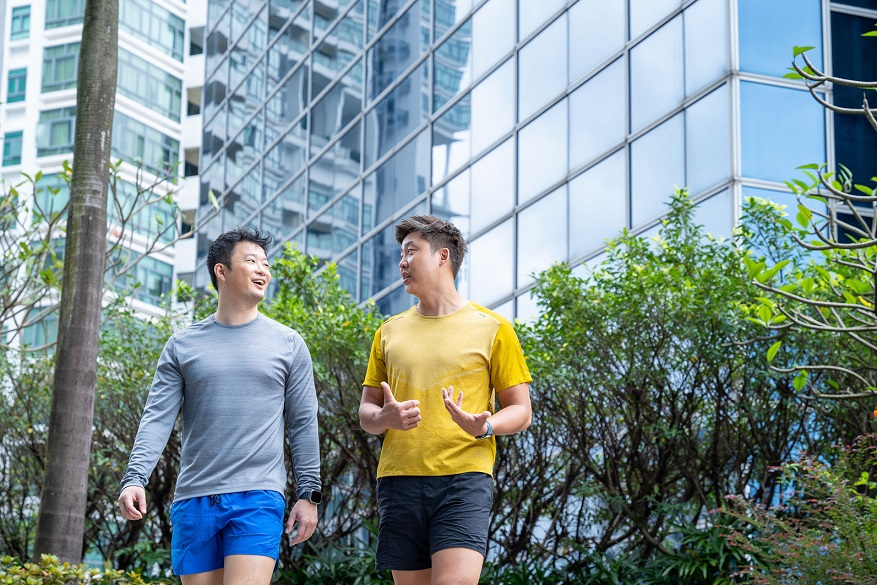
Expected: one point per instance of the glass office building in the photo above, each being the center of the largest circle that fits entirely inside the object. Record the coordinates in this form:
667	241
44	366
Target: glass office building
539	127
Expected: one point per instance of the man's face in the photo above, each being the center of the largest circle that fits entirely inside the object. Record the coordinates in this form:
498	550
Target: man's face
418	265
249	273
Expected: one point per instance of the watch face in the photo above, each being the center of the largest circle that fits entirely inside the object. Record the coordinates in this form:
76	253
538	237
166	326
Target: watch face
315	497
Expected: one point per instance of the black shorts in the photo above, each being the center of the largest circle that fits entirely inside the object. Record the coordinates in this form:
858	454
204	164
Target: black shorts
422	515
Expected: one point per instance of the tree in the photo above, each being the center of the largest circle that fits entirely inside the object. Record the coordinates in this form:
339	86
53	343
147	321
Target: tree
62	504
835	293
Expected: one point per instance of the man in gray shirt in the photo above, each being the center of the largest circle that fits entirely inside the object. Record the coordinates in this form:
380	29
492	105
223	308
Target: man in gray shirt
238	377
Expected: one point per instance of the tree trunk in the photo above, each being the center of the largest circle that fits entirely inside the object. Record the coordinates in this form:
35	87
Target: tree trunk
61	520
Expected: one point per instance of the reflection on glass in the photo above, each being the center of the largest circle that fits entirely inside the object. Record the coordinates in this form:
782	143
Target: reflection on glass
450	12
396	302
397	115
532	13
336	109
657	165
243	199
493	107
452	66
286	211
769	30
781	129
507	310
656	75
590	45
493	185
542	235
338	49
528	308
246	98
708	141
716	215
451	147
213	137
494	28
336	229
279	13
542	152
247	51
597	117
289	101
542	68
285	54
380	259
492	264
243	151
285	158
216	43
242	11
645	14
597	205
335	170
215	89
397	182
399	47
707	43
451	202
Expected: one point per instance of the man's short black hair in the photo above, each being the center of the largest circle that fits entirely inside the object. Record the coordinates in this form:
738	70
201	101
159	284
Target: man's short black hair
439	233
222	247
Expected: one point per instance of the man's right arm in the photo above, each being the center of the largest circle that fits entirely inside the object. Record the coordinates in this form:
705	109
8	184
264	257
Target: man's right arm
159	415
379	411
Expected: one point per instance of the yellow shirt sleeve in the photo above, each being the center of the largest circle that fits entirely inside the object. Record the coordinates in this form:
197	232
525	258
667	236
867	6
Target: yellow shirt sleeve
377	369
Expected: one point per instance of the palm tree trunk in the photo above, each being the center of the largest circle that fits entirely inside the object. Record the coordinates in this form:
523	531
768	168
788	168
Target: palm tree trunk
61	520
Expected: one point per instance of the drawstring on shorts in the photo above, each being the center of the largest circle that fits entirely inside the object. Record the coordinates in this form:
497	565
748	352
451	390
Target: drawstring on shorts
215	500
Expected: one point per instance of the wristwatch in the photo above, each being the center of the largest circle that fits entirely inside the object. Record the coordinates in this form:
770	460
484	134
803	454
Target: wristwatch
488	433
315	497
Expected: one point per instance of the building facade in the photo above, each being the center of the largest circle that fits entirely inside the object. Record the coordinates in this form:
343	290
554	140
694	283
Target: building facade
539	127
156	127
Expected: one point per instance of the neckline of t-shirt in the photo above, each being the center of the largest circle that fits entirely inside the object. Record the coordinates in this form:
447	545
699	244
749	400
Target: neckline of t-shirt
241	325
431	317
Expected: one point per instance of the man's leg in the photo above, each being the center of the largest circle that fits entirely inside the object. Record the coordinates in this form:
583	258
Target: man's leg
423	577
248	570
208	578
456	566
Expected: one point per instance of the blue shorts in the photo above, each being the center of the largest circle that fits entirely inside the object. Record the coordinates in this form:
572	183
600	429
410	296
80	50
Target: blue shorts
209	528
421	515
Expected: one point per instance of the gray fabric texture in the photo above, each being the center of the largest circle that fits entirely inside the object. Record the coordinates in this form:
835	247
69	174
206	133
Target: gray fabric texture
237	385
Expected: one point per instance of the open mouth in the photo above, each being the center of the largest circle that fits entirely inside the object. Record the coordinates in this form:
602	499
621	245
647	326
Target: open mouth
259	281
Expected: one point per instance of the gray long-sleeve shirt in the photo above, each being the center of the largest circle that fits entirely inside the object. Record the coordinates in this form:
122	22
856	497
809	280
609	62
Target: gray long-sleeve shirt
237	385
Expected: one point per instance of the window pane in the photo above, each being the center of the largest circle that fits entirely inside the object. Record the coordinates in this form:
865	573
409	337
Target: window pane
542	155
656	75
769	30
451	202
451	145
285	212
397	182
708	141
493	185
781	129
492	263
493	107
335	170
598	118
715	215
644	14
707	43
452	66
657	166
597	205
542	67
493	31
532	13
336	229
398	48
396	115
590	45
542	235
336	109
450	12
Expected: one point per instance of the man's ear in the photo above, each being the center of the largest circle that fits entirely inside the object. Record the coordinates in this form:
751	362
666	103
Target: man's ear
219	270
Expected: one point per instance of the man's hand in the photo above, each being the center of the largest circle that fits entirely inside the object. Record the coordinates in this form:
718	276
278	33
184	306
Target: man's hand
401	416
305	514
474	424
131	495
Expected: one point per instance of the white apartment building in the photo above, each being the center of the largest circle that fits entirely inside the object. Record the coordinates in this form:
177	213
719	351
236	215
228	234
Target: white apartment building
156	127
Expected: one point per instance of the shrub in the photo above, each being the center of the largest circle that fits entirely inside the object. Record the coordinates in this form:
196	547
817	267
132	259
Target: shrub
51	571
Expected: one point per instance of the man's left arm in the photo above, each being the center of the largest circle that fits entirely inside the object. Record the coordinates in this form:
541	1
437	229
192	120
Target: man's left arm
515	416
304	441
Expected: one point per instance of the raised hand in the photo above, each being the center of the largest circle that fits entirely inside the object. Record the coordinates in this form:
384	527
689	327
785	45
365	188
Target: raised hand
474	424
402	416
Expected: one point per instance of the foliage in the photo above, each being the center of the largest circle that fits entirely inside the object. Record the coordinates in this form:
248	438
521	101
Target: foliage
50	571
824	527
647	411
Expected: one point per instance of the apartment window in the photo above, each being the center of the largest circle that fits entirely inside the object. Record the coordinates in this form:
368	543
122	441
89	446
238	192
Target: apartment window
12	148
64	12
17	81
55	131
20	28
59	67
149	85
138	143
155	25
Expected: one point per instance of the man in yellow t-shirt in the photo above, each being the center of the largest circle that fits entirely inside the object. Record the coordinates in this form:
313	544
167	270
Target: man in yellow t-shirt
432	374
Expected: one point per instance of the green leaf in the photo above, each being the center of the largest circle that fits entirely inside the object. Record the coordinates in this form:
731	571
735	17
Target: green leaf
870	33
778	319
772	352
866	190
811	166
792	75
212	198
765	313
800	380
798	50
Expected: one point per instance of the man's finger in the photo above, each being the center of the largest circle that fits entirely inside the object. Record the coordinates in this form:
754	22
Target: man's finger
388	393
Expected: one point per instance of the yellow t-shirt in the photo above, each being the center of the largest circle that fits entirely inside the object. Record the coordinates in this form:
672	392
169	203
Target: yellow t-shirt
474	350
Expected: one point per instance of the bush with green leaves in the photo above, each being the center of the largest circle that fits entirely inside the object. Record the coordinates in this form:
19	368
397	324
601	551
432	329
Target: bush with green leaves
50	571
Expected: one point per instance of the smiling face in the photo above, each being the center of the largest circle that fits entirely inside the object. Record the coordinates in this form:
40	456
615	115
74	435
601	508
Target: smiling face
419	266
248	275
